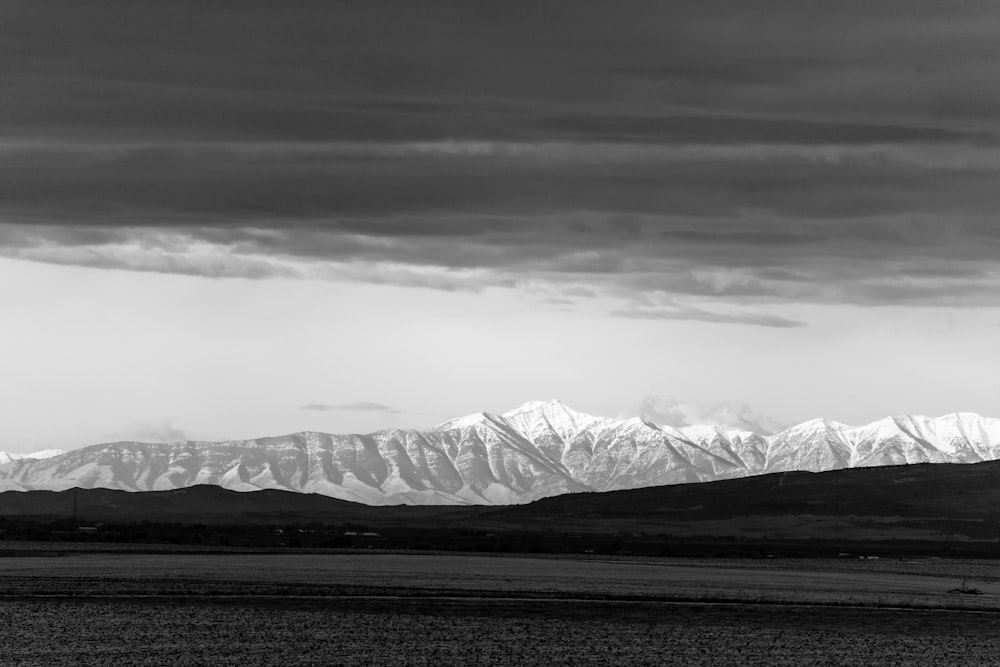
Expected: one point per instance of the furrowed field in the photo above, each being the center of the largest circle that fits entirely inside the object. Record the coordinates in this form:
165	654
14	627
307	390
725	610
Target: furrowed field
419	609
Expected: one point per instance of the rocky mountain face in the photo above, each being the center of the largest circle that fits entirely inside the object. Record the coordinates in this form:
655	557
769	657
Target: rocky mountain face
537	450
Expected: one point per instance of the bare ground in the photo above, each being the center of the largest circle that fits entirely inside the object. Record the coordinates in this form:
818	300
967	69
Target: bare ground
391	609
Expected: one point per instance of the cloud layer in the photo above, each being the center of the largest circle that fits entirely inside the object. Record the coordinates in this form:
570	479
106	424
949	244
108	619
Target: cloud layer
727	414
691	160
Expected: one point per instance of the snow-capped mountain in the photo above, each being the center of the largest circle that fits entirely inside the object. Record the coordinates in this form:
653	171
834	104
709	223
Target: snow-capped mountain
539	449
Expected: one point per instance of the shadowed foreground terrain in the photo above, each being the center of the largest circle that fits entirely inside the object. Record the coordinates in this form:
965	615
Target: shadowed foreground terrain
931	509
208	576
371	608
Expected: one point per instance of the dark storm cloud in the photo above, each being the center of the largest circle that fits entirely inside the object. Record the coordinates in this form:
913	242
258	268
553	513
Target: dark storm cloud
396	70
788	151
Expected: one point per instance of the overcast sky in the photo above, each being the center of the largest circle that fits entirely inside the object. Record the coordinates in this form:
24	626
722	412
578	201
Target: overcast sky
224	220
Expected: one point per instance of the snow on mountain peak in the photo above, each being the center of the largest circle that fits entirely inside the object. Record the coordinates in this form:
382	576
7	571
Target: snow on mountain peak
645	425
701	433
535	418
539	449
7	457
818	424
552	409
468	421
43	454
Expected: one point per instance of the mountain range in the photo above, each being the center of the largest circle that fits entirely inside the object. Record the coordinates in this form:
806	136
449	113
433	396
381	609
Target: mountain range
538	450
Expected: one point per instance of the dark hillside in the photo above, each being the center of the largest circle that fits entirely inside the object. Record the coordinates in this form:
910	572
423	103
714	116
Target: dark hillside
928	507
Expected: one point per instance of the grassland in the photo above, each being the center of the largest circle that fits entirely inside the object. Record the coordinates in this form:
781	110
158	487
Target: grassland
73	607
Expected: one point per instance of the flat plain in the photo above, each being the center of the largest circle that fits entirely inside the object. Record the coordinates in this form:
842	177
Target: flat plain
420	609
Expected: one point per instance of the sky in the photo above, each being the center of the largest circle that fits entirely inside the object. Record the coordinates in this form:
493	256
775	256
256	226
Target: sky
230	220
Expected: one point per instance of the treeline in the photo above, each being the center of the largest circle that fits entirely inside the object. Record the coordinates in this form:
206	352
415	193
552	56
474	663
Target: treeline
354	535
315	535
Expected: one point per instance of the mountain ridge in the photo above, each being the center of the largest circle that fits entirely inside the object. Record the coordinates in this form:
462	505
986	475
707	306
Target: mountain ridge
540	449
7	457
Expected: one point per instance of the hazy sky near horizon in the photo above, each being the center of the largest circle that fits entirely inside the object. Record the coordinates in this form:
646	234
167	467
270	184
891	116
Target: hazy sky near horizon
227	220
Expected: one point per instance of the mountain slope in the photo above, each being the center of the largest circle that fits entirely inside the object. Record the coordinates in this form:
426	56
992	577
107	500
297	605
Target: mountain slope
7	457
538	450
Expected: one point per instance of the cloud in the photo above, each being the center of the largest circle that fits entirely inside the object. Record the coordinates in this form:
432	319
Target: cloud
389	71
356	406
217	264
719	267
162	431
727	414
699	315
732	157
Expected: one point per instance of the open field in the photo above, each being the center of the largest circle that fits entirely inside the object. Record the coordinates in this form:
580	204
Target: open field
920	583
406	609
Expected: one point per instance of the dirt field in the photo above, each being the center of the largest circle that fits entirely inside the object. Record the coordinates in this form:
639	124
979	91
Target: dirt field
385	609
922	584
479	633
